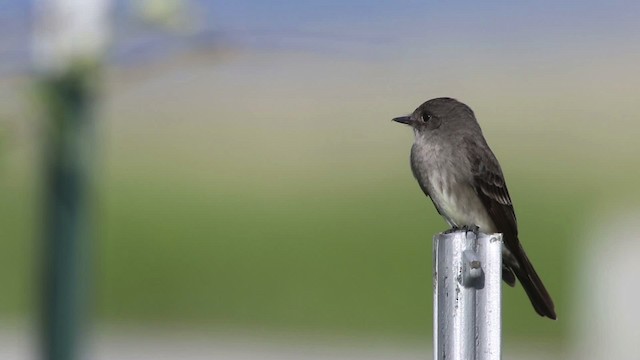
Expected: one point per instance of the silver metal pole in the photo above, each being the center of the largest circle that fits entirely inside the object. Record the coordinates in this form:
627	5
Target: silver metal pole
467	296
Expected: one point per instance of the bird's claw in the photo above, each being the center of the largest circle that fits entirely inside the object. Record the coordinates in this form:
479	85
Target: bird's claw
473	228
452	230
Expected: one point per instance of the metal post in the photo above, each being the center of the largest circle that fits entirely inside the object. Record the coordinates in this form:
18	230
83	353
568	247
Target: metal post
69	41
467	295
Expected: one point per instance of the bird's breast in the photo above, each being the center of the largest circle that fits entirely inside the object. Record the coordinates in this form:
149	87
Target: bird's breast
446	177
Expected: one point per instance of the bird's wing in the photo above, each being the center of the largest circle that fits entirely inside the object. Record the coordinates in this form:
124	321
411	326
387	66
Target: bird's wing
490	186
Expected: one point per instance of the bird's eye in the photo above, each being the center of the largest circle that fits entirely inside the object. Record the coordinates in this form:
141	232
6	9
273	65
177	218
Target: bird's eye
426	117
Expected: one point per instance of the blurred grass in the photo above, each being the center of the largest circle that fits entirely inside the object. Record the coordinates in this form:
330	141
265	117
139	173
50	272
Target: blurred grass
17	258
347	261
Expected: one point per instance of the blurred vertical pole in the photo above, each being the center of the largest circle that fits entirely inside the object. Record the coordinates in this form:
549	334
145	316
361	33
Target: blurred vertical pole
68	45
467	296
605	307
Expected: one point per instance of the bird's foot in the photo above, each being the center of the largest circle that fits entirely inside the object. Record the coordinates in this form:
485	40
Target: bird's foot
452	230
473	228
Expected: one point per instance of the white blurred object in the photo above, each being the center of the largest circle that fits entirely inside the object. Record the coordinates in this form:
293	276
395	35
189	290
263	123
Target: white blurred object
69	31
607	296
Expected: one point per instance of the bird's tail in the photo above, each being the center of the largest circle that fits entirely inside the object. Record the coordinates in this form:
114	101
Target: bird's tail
540	298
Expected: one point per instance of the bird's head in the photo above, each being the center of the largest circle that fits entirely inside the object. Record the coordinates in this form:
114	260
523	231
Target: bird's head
436	113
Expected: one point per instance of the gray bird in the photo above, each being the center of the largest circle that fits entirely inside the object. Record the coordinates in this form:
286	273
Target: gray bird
456	168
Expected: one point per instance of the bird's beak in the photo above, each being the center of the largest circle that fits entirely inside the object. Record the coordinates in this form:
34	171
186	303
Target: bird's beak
403	120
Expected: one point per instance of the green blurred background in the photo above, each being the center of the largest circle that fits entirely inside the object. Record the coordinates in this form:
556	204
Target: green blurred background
263	188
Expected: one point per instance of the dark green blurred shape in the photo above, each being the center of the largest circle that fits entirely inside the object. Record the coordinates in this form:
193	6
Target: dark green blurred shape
68	155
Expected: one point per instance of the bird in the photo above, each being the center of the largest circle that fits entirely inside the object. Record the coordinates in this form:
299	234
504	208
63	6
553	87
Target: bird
457	170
